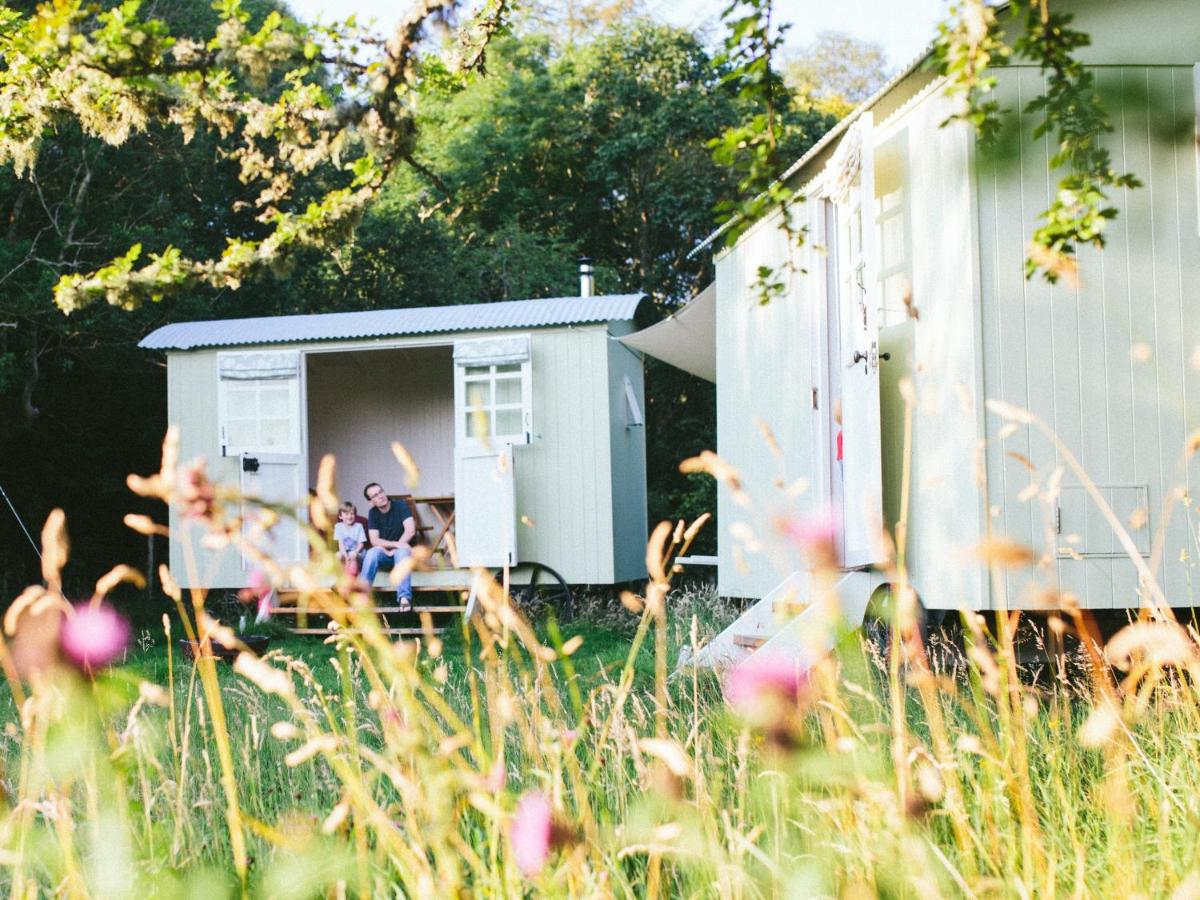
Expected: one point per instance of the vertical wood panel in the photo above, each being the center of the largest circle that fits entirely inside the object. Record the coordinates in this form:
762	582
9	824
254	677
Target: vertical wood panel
564	477
1122	413
192	407
945	505
765	376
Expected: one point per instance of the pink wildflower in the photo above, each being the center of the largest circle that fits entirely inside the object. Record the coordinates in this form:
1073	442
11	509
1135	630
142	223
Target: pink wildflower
530	833
763	678
768	693
815	535
93	636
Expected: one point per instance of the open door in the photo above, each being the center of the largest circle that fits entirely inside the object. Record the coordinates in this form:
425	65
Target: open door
262	421
485	508
853	297
493	415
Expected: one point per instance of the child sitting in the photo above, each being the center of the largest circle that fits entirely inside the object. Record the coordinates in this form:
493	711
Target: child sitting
350	538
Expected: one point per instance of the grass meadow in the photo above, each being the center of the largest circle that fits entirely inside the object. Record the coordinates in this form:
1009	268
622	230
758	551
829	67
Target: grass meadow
511	756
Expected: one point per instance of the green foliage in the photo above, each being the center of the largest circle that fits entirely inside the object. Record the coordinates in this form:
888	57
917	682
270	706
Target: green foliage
114	73
1075	117
1071	112
837	71
758	148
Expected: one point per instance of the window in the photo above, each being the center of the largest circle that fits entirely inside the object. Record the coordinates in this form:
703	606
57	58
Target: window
495	402
892	224
492	390
258	403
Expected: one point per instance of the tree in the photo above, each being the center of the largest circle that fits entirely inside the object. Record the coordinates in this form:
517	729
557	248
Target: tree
568	22
76	396
603	149
837	71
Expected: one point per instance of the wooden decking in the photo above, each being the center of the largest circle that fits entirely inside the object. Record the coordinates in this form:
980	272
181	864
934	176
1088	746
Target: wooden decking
329	604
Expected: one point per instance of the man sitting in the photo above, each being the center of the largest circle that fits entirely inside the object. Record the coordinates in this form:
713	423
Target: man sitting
390	530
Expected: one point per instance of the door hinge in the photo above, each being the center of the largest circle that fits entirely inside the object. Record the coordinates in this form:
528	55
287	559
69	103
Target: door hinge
1058	520
815	405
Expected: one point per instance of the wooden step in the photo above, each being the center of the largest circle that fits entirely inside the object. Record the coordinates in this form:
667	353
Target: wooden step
330	610
400	632
749	641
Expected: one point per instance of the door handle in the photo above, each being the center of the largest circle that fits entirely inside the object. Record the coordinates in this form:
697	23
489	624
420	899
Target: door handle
249	464
870	360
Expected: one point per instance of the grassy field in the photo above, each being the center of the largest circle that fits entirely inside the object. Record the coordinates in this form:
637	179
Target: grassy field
1004	787
510	757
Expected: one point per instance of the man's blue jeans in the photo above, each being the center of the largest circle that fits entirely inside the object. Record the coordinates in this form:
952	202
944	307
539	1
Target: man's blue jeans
377	558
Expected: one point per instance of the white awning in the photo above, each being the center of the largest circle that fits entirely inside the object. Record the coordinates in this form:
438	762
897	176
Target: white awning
687	339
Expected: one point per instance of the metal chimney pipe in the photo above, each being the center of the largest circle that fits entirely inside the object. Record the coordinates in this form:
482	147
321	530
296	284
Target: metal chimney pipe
587	277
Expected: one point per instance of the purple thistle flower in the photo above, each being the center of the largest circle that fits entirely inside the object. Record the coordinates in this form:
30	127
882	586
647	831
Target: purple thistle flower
93	636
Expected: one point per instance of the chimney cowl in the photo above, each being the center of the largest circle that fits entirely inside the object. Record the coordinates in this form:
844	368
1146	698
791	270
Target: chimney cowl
587	277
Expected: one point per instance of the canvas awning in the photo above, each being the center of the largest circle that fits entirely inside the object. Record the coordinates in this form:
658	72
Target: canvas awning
687	339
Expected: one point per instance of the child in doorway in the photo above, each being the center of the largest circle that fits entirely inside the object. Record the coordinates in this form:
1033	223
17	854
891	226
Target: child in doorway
350	538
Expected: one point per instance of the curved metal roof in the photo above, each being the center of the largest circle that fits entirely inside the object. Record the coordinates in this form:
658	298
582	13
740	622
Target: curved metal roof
500	314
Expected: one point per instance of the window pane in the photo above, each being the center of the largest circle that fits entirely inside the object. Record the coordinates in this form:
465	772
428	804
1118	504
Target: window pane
511	367
275	433
241	433
893	241
240	403
508	390
478	370
479	395
478	424
275	402
508	422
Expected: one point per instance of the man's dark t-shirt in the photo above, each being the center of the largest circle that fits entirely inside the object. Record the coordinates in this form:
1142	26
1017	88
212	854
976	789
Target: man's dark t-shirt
390	524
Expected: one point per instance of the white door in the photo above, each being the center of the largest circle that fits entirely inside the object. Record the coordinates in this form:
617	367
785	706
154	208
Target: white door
493	413
273	480
261	408
854	300
485	509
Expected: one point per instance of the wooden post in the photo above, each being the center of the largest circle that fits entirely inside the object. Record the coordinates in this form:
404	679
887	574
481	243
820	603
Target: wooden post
150	569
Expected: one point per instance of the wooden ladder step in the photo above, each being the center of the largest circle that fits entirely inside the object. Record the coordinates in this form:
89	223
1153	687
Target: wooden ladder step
749	641
328	610
410	632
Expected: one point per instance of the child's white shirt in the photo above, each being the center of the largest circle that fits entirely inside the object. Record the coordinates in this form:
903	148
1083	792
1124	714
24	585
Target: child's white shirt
353	533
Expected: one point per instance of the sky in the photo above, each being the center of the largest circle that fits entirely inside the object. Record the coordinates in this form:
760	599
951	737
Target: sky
903	27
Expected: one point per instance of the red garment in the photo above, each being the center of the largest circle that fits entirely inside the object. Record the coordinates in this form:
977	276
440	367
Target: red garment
839	445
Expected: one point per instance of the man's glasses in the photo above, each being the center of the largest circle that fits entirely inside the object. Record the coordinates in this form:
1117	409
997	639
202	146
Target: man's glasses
375	496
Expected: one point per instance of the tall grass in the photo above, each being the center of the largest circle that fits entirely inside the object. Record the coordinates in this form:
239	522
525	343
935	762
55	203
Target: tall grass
376	768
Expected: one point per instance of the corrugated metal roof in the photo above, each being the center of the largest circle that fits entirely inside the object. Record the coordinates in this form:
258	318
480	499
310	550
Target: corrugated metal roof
393	322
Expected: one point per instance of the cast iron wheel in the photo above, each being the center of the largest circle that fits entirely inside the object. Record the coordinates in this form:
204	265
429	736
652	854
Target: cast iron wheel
545	588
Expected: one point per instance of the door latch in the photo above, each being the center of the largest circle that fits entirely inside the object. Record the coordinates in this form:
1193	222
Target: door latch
249	464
